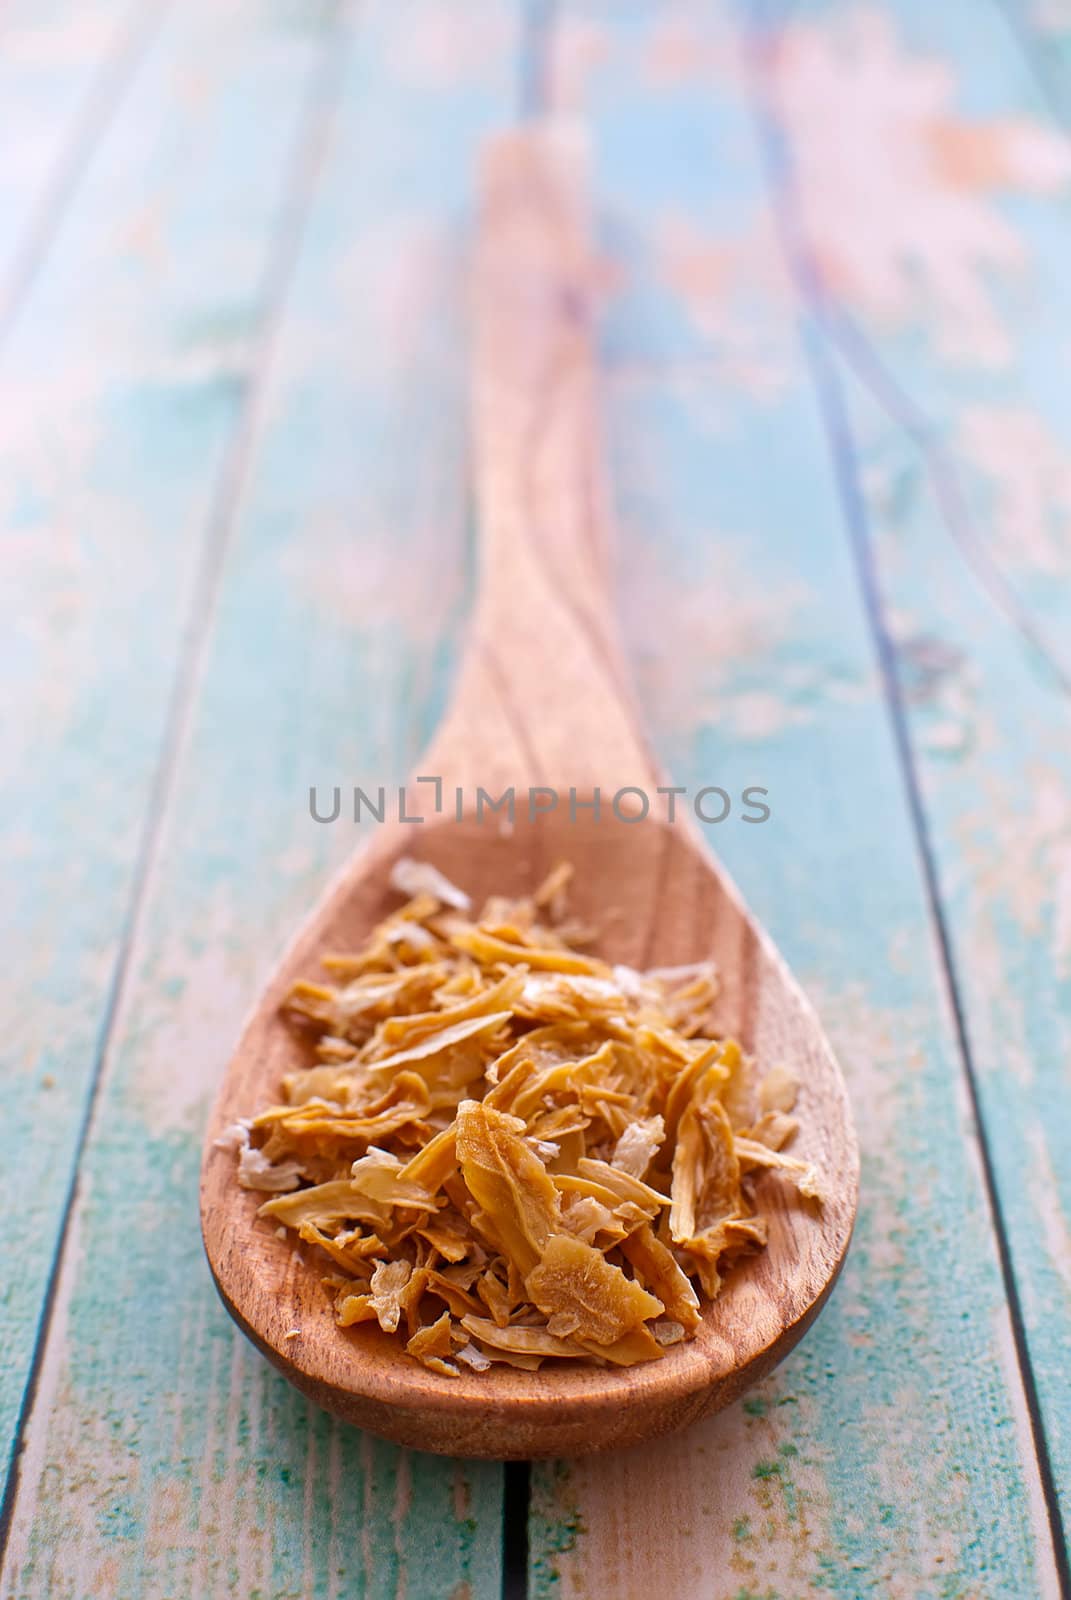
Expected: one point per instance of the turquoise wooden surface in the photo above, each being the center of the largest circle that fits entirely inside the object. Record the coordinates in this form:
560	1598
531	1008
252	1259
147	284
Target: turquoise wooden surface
161	1471
235	496
62	70
123	380
967	508
859	1467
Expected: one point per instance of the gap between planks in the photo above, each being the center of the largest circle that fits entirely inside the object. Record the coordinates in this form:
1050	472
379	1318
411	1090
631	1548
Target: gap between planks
536	45
818	343
107	90
321	101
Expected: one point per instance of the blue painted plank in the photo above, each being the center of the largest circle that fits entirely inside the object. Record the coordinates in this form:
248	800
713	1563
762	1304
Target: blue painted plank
63	70
892	1453
956	412
157	1430
121	384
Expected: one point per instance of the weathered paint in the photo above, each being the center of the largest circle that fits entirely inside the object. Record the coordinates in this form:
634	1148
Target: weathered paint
122	384
892	1454
163	1456
63	69
969	514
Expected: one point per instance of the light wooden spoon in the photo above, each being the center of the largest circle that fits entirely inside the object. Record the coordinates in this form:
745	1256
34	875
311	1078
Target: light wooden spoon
542	702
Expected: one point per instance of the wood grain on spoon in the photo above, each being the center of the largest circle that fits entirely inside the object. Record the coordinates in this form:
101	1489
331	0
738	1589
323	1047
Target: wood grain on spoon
542	701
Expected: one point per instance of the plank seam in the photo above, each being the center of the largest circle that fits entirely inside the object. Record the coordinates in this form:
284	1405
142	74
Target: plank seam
516	1505
311	144
107	89
859	354
538	19
818	344
537	42
1034	59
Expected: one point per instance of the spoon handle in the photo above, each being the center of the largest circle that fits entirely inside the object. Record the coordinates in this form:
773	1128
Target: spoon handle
543	696
534	378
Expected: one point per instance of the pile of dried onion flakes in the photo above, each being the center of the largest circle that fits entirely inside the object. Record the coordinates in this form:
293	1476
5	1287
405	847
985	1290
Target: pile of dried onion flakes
510	1151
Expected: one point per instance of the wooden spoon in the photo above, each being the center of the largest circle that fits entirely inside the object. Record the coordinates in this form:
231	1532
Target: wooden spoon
542	702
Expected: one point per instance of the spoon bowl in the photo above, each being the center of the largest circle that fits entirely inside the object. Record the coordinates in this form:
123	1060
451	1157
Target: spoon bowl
542	702
662	902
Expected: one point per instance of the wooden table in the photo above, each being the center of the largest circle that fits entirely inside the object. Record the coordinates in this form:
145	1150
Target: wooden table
234	500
